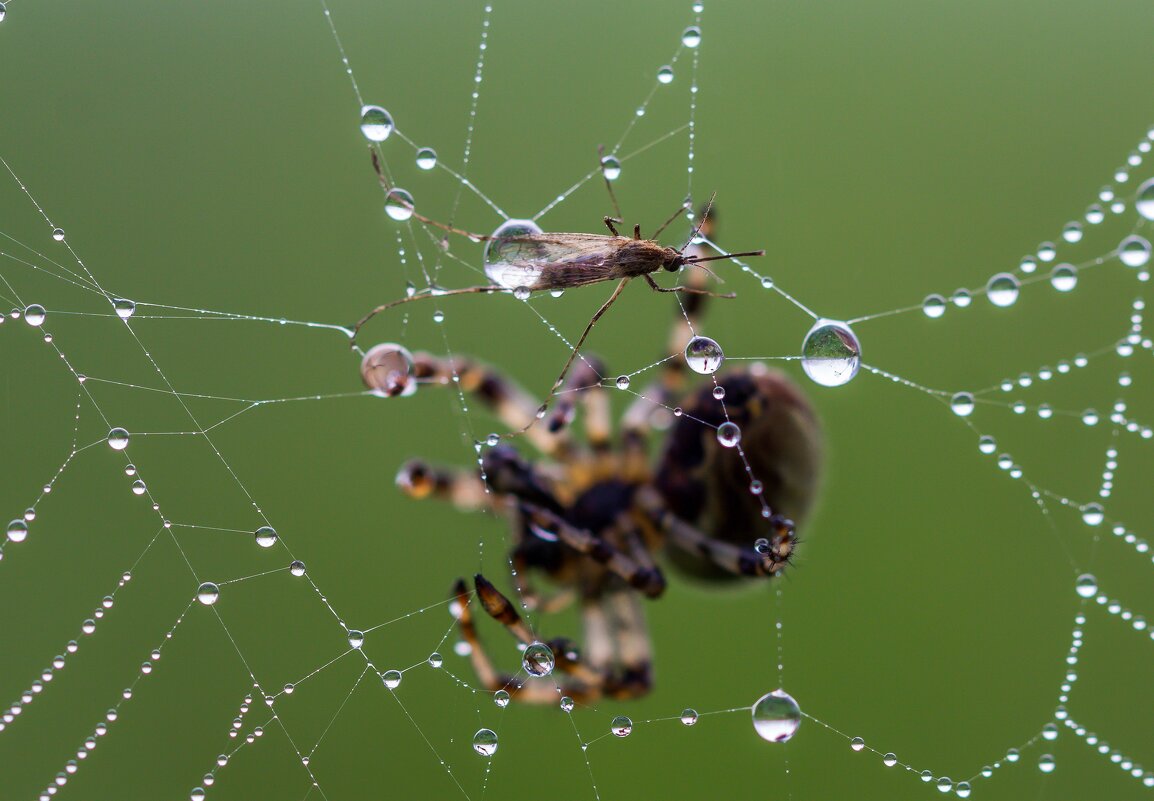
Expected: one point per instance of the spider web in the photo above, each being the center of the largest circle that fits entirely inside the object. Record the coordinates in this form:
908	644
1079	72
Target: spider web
931	608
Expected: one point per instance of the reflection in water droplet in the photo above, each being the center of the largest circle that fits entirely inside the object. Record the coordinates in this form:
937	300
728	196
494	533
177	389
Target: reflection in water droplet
1093	514
208	593
501	698
728	434
1046	763
17	531
266	536
962	404
125	308
622	382
691	37
665	74
890	759
610	168
830	353
1134	251
689	717
1002	289
857	743
509	250
1064	277
934	306
426	158
356	638
1144	203
376	123
399	204
485	742
386	371
776	716
118	439
35	315
621	726
538	660
703	355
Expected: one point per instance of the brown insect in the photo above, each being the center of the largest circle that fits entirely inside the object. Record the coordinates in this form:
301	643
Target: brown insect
525	260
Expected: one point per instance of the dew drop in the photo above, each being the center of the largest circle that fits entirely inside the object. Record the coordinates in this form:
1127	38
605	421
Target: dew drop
266	536
621	726
566	704
1090	417
890	759
391	679
1072	232
945	784
776	716
436	660
1002	290
703	355
58	234
356	638
689	717
830	353
926	776
297	568
208	593
538	660
376	123
963	790
485	742
610	168
139	487
962	404
728	434
507	251
622	382
1134	251
34	315
665	75
1046	763
1027	264
691	37
1064	277
1047	251
961	298
1144	203
987	444
1050	732
857	744
1093	514
1086	586
124	307
118	439
934	306
719	392
17	531
501	698
399	204
521	293
426	158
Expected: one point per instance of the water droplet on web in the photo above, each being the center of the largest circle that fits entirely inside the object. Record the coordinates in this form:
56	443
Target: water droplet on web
1050	732
1093	514
890	759
297	568
1002	290
719	392
266	536
830	353
208	593
391	679
1090	417
538	660
34	315
728	434
436	660
1095	214
689	717
761	546
485	742
610	168
926	776
962	404
376	123
356	638
1072	232
1134	251
566	704
501	698
987	444
776	716
118	439
621	726
703	355
399	204
509	246
1086	586
125	308
622	382
1046	763
1027	264
1064	277
17	531
963	790
426	158
934	306
857	743
139	487
665	75
1047	251
691	37
1144	202
945	784
386	371
197	794
58	234
961	298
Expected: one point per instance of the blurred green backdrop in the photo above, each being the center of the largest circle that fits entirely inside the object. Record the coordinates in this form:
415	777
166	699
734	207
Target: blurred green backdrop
207	156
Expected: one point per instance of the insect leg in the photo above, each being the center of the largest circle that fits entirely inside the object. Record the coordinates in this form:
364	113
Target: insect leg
472	290
687	289
584	334
609	224
608	183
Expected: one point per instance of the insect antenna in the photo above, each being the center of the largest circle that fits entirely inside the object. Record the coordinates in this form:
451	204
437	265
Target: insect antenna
699	259
680	210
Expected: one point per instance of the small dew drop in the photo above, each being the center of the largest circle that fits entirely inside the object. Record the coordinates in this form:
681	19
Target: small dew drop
1093	514
963	790
58	234
857	743
665	75
610	168
962	404
987	444
35	315
934	306
1046	763
689	717
356	638
566	704
621	726
17	531
1144	202
426	158
139	487
297	568
691	37
1072	232
961	298
1064	277
945	784
622	382
501	698
703	355
728	434
124	307
399	204
719	393
208	593
1050	732
1134	251
890	759
538	660
436	660
521	293
1047	251
391	679
776	716
485	742
118	439
1002	290
376	123
266	536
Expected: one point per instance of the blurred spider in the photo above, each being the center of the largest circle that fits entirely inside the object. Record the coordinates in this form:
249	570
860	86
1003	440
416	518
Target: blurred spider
593	515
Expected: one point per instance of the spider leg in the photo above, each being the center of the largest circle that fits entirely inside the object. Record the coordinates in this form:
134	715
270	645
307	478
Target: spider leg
632	678
729	557
462	488
583	383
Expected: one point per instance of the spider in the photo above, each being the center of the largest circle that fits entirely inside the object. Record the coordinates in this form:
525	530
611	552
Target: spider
594	514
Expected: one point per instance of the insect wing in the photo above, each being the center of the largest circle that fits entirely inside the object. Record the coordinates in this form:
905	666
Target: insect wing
551	261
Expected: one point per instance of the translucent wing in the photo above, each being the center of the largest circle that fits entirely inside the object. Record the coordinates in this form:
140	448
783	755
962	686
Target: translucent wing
550	261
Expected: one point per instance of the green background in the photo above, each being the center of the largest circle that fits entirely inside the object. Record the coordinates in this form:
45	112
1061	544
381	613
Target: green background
207	156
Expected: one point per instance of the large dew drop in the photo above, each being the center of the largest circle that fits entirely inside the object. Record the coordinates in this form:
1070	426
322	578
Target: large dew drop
703	355
831	353
125	308
691	37
208	593
611	168
266	536
426	158
621	726
508	250
118	439
376	123
538	660
17	531
485	742
1134	251
399	204
962	404
776	716
1086	586
1002	289
1144	202
1064	277
387	370
35	315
